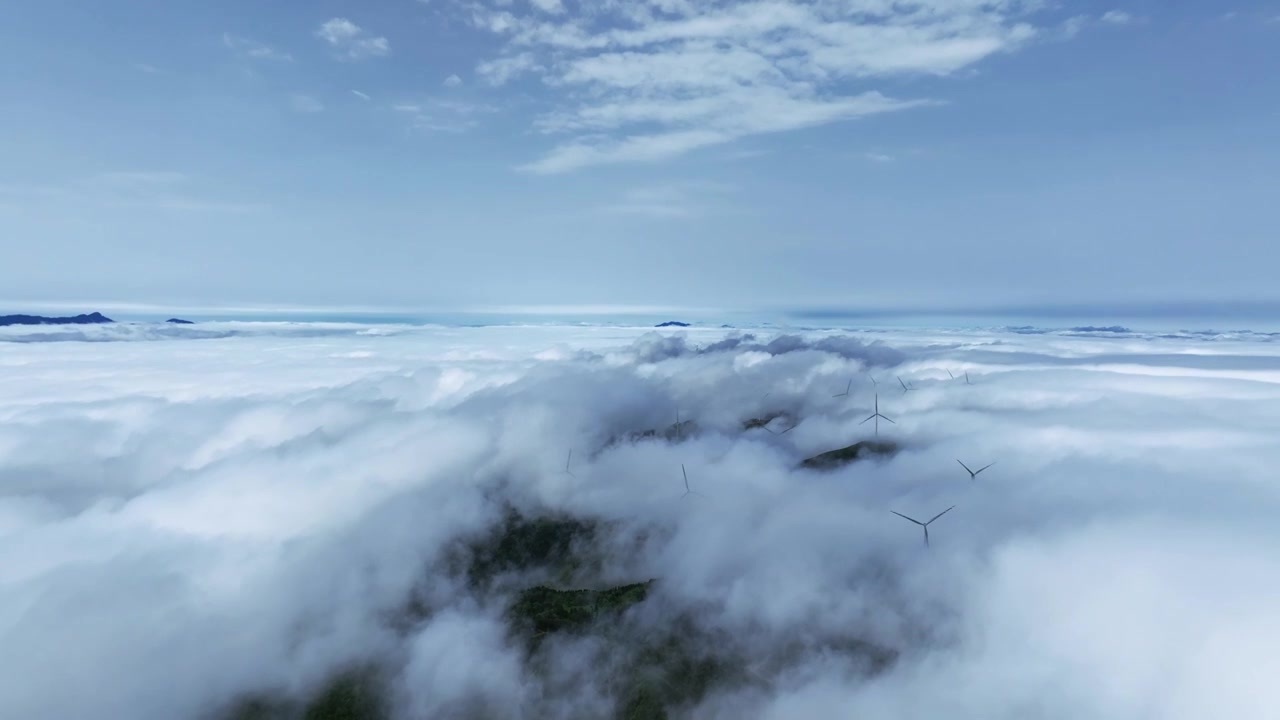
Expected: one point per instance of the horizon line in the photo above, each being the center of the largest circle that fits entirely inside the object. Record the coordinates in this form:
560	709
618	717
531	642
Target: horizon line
1171	309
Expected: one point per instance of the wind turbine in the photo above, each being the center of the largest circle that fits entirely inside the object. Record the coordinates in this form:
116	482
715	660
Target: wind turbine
924	525
904	385
953	377
973	474
874	381
847	388
877	416
568	460
784	432
687	490
966	378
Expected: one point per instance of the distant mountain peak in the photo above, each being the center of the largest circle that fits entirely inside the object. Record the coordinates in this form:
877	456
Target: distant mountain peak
94	318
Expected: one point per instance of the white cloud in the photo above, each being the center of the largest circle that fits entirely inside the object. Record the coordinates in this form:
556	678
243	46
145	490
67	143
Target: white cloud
305	104
203	520
254	50
1072	26
361	95
148	69
1117	17
713	121
642	81
452	81
440	114
502	70
351	42
878	157
553	7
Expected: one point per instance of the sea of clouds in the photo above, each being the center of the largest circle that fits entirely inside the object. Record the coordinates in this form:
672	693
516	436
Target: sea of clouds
191	514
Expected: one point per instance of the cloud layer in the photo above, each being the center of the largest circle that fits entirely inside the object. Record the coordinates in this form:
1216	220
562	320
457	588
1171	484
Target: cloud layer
192	520
645	80
351	42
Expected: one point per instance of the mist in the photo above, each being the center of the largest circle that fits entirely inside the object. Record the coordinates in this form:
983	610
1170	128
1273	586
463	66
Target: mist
238	518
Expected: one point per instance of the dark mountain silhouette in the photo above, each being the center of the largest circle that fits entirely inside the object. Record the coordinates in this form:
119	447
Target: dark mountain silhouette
90	319
672	323
179	321
1095	329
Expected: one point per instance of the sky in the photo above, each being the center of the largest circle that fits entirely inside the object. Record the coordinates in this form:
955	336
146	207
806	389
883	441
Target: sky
191	519
460	154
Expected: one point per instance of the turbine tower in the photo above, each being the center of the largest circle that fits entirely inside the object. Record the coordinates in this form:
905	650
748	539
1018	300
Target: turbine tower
876	415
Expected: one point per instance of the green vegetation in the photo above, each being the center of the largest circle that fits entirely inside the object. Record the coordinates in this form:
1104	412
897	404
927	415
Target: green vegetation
673	433
858	451
675	670
357	694
764	420
546	610
656	671
564	547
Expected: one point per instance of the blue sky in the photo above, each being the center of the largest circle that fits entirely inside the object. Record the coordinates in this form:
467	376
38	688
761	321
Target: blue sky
444	154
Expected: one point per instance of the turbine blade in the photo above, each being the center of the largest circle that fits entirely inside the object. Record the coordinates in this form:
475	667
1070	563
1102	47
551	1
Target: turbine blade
944	512
926	536
984	468
869	419
966	467
953	377
888	420
686	477
895	512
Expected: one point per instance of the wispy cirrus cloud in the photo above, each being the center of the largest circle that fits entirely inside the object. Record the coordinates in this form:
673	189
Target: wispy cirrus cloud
645	81
1117	17
500	71
254	50
439	114
351	42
